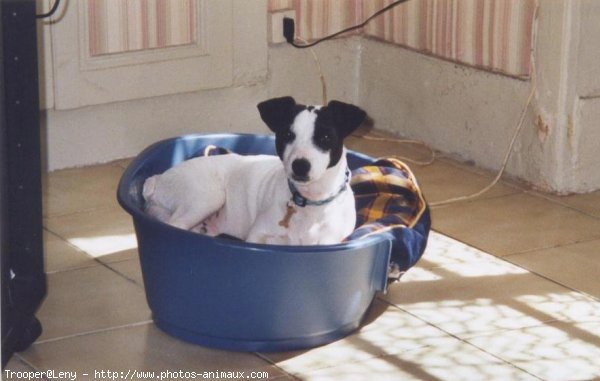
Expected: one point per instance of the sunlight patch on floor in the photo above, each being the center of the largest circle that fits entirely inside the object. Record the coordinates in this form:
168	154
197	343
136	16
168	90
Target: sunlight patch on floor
106	244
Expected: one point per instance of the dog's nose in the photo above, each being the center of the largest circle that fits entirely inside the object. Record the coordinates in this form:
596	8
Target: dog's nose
301	167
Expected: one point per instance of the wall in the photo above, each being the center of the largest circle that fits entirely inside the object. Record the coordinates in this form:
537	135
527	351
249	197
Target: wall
585	138
454	107
319	18
494	35
473	113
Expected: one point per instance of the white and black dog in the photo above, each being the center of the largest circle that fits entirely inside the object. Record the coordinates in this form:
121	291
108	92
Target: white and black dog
305	201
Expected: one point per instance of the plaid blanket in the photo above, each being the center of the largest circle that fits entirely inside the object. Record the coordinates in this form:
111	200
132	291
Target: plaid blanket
389	202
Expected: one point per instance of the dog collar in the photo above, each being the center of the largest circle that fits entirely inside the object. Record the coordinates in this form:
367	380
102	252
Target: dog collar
302	201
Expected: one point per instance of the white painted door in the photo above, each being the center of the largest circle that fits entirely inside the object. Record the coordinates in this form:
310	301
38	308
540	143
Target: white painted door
115	50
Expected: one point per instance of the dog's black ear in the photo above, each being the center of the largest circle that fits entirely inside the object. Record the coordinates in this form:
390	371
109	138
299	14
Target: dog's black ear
277	112
347	117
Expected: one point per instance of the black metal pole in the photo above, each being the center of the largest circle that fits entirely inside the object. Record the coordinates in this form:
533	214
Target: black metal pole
23	277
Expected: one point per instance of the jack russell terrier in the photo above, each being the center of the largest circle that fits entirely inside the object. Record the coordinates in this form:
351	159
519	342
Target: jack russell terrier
302	197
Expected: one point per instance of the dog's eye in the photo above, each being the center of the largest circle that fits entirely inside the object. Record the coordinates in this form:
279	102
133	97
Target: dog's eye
288	135
325	139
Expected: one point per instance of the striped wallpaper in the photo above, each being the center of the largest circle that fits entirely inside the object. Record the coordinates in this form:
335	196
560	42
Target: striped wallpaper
117	26
319	18
490	34
493	35
279	5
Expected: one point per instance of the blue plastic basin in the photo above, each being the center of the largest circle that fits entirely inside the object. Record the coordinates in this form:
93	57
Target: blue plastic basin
240	296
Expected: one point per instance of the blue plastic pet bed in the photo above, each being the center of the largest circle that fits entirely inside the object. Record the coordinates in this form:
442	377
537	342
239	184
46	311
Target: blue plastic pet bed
235	295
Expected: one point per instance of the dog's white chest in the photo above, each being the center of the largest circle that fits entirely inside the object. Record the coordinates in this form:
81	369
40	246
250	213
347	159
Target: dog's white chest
291	224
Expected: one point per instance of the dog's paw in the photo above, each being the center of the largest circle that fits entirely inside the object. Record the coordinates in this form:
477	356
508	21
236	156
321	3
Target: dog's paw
149	186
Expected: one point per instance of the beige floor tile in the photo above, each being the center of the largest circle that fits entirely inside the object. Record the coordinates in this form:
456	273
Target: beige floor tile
514	224
59	255
388	331
90	299
130	269
141	348
100	232
588	203
17	369
447	359
119	256
557	351
576	266
442	181
389	147
442	250
81	189
468	299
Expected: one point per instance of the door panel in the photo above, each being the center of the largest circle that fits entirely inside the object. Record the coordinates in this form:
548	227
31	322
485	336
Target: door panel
109	50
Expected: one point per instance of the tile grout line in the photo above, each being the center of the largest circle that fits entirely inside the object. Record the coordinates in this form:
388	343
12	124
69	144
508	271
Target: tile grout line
586	294
558	202
268	360
30	365
98	261
117	272
557	246
525	251
529	192
95	261
83	252
481	172
504	258
101	330
477	199
460	339
81	211
515	183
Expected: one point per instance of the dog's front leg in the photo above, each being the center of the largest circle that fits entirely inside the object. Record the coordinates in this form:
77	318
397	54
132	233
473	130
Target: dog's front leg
270	240
185	218
258	235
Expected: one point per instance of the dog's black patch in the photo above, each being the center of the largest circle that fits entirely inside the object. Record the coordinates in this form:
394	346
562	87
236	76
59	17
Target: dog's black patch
279	114
334	123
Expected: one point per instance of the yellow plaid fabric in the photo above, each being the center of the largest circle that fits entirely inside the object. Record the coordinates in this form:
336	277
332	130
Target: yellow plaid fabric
389	201
386	190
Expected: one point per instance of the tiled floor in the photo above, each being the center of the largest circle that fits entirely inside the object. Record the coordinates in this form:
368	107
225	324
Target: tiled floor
508	289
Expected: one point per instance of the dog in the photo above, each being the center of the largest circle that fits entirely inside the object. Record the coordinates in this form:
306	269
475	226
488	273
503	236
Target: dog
301	196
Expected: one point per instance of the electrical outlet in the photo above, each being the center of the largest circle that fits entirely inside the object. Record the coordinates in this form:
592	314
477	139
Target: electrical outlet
276	25
289	29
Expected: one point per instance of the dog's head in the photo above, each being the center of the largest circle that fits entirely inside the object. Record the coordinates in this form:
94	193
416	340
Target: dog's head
309	139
